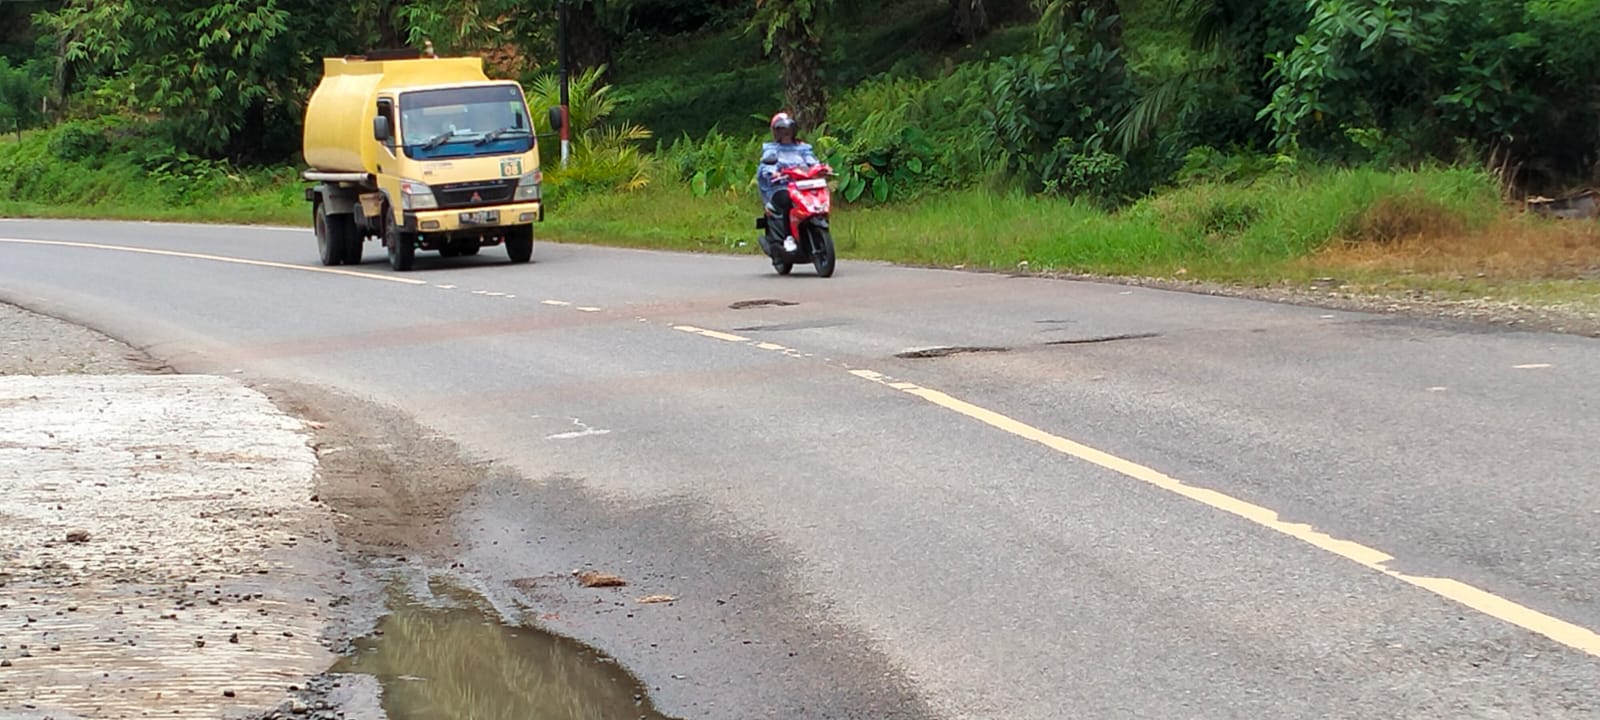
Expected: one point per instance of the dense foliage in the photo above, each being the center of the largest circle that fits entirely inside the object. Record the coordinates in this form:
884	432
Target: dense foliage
1098	99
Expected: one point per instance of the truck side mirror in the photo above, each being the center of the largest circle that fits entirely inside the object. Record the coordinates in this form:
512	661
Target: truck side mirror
381	131
555	118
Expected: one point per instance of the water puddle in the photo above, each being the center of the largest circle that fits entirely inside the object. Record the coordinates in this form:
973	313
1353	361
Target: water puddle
438	663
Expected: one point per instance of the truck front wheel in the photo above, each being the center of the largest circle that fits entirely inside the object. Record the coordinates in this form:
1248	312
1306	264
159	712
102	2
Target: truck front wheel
519	243
402	246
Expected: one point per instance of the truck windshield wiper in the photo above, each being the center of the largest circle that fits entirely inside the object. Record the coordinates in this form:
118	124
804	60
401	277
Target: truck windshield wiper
438	140
497	134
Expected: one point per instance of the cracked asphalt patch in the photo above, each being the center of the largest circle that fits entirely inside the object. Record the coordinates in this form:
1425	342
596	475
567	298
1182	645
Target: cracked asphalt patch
948	350
1104	339
767	302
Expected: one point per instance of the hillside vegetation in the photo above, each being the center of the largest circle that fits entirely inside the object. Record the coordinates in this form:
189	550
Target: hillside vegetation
1384	142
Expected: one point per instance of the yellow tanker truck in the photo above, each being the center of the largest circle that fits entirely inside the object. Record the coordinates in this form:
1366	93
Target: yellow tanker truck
423	153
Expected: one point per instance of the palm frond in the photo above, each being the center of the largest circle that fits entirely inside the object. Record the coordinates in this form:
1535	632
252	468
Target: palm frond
1158	104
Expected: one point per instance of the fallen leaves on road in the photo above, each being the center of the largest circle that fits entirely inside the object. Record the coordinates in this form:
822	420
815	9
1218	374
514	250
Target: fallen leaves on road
600	579
657	599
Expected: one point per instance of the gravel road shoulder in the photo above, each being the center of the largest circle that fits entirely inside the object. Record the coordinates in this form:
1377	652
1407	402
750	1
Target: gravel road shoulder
165	553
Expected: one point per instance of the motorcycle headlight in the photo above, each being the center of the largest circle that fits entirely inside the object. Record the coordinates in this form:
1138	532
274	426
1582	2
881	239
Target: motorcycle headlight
528	186
416	196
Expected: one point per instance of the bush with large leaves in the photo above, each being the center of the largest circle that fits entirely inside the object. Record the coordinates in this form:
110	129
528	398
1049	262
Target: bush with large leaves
1054	112
1518	76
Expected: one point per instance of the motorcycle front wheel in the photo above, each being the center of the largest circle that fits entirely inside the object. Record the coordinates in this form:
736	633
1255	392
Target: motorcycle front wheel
822	257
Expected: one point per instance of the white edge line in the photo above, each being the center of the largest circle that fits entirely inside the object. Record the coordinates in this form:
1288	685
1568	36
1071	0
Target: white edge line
214	258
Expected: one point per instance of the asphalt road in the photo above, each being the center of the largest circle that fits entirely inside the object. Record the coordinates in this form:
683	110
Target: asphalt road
1136	503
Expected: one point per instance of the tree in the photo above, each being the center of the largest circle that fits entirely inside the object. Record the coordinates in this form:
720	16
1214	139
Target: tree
593	31
793	29
227	78
969	19
22	90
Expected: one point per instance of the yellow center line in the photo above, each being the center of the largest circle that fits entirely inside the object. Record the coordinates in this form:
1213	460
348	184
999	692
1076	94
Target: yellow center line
1561	631
215	258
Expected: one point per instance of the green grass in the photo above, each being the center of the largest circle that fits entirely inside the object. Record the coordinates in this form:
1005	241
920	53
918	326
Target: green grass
254	208
1230	232
35	181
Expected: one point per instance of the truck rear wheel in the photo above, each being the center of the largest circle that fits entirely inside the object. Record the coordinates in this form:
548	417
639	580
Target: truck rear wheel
402	246
353	240
338	243
519	243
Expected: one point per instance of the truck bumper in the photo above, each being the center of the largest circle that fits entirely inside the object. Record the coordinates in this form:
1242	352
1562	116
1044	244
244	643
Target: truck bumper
472	220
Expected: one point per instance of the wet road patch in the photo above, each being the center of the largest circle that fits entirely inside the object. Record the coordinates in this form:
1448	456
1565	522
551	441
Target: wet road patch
455	659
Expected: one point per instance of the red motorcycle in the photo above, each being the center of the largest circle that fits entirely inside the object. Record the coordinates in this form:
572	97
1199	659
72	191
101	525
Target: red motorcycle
808	223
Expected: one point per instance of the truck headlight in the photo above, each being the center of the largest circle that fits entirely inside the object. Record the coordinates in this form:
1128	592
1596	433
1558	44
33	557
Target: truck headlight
416	196
528	186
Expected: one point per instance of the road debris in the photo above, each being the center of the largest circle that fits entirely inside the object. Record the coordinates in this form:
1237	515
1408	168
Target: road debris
593	579
1577	206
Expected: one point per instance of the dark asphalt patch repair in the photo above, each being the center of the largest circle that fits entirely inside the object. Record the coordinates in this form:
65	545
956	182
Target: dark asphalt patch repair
938	352
766	302
948	350
1104	339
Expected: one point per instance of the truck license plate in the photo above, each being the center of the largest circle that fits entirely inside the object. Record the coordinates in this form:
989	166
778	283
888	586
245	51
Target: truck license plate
480	217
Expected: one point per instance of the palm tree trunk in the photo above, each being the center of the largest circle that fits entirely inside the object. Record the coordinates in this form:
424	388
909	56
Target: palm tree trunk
591	39
969	18
800	54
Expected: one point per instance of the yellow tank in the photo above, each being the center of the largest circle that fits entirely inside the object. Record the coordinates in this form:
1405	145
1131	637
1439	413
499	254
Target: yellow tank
338	122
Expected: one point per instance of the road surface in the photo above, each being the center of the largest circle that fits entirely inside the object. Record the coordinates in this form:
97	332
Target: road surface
919	493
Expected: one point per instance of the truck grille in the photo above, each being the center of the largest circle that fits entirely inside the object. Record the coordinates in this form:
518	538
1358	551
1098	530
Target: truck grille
472	194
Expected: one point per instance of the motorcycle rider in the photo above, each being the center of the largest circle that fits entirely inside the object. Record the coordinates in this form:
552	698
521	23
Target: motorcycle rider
785	151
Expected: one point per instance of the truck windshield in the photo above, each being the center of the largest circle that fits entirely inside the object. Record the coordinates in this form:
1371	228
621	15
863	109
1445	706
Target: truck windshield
464	122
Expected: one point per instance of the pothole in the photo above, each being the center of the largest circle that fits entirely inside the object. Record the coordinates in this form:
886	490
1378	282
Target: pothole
1104	339
765	302
462	662
948	350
